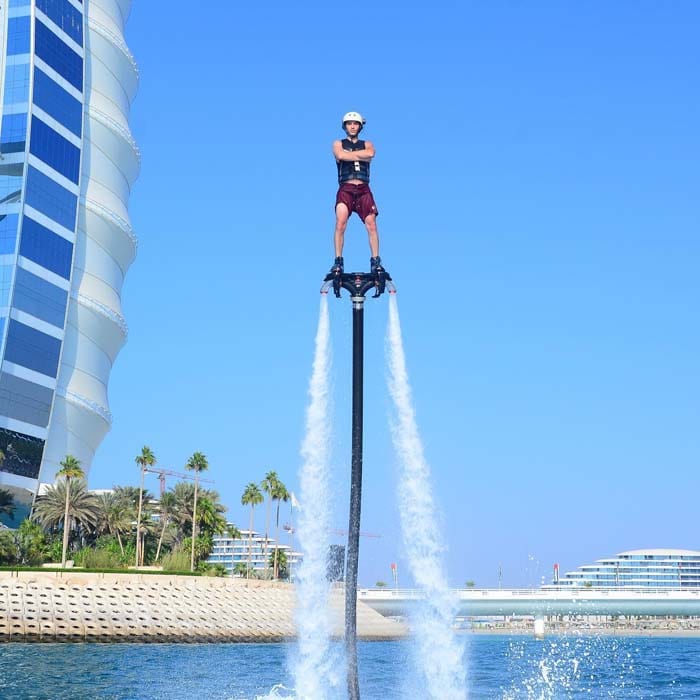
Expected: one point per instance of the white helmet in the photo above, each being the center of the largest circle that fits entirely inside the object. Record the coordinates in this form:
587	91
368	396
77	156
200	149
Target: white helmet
354	117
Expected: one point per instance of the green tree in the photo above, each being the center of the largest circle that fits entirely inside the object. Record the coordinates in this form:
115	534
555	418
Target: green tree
470	584
50	508
278	561
166	510
197	463
129	495
279	494
31	544
251	497
7	502
235	534
380	584
114	516
70	469
268	485
8	550
145	460
240	569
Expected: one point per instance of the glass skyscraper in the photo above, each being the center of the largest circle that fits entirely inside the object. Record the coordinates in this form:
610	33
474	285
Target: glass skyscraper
67	164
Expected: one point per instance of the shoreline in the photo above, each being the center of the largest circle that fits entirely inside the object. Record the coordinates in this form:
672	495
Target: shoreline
583	632
72	606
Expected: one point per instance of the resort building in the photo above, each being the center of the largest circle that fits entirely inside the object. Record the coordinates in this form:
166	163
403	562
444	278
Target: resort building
639	568
232	552
67	165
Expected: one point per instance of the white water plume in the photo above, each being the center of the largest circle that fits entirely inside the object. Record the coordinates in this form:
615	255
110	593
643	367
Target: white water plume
440	654
313	668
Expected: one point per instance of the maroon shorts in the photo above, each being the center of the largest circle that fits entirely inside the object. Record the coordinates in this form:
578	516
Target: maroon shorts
357	198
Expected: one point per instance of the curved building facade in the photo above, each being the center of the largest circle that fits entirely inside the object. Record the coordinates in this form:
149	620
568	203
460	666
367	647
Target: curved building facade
639	568
67	165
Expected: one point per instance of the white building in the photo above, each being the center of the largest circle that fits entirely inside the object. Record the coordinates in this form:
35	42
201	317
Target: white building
229	552
639	568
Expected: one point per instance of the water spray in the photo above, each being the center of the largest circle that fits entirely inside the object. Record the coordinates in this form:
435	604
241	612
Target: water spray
313	669
439	652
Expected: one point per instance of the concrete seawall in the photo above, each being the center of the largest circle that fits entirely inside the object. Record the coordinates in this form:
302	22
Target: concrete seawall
73	606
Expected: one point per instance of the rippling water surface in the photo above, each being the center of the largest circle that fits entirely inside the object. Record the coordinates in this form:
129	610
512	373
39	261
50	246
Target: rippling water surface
501	667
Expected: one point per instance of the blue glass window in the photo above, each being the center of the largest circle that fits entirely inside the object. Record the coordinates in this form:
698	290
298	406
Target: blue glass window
39	298
20	3
16	84
46	248
5	284
50	198
8	233
63	14
54	100
18	35
55	150
32	349
25	400
11	178
58	55
13	134
23	453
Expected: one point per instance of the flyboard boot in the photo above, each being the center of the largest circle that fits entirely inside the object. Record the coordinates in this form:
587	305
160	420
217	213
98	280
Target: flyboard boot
380	275
336	275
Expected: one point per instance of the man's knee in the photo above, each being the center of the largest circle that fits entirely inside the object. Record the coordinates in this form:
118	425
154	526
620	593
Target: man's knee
371	223
342	214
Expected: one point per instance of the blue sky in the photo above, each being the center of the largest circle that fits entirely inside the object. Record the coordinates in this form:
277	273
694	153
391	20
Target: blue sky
538	187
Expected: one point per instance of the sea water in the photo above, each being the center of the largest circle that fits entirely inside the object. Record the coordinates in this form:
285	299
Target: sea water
497	667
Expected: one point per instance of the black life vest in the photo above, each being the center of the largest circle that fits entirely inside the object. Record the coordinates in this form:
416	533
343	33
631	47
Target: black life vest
352	170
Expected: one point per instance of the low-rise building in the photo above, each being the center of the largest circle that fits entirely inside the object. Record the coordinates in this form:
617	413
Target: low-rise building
638	568
230	552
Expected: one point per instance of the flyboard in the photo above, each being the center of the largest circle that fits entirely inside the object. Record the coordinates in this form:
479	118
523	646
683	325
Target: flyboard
358	284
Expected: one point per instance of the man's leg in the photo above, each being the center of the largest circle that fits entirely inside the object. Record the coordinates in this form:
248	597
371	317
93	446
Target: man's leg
371	225
342	214
341	223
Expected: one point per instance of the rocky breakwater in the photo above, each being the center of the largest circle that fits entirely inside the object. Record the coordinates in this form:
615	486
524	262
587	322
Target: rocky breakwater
75	606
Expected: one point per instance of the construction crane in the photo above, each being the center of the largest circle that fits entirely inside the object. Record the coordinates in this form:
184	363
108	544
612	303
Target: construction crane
162	472
344	533
334	531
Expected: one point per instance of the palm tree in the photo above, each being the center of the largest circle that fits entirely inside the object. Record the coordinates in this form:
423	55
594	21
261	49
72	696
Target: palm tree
251	497
210	518
70	469
49	509
240	569
114	516
144	460
235	534
7	502
268	485
166	508
130	496
279	494
279	560
196	463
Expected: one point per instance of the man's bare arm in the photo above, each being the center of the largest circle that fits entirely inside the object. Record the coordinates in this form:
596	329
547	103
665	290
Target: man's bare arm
367	153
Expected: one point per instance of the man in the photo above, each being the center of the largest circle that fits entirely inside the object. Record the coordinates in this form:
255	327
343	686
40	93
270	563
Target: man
353	157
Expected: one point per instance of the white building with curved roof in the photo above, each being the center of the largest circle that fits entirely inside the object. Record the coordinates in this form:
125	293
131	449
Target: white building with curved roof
638	568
